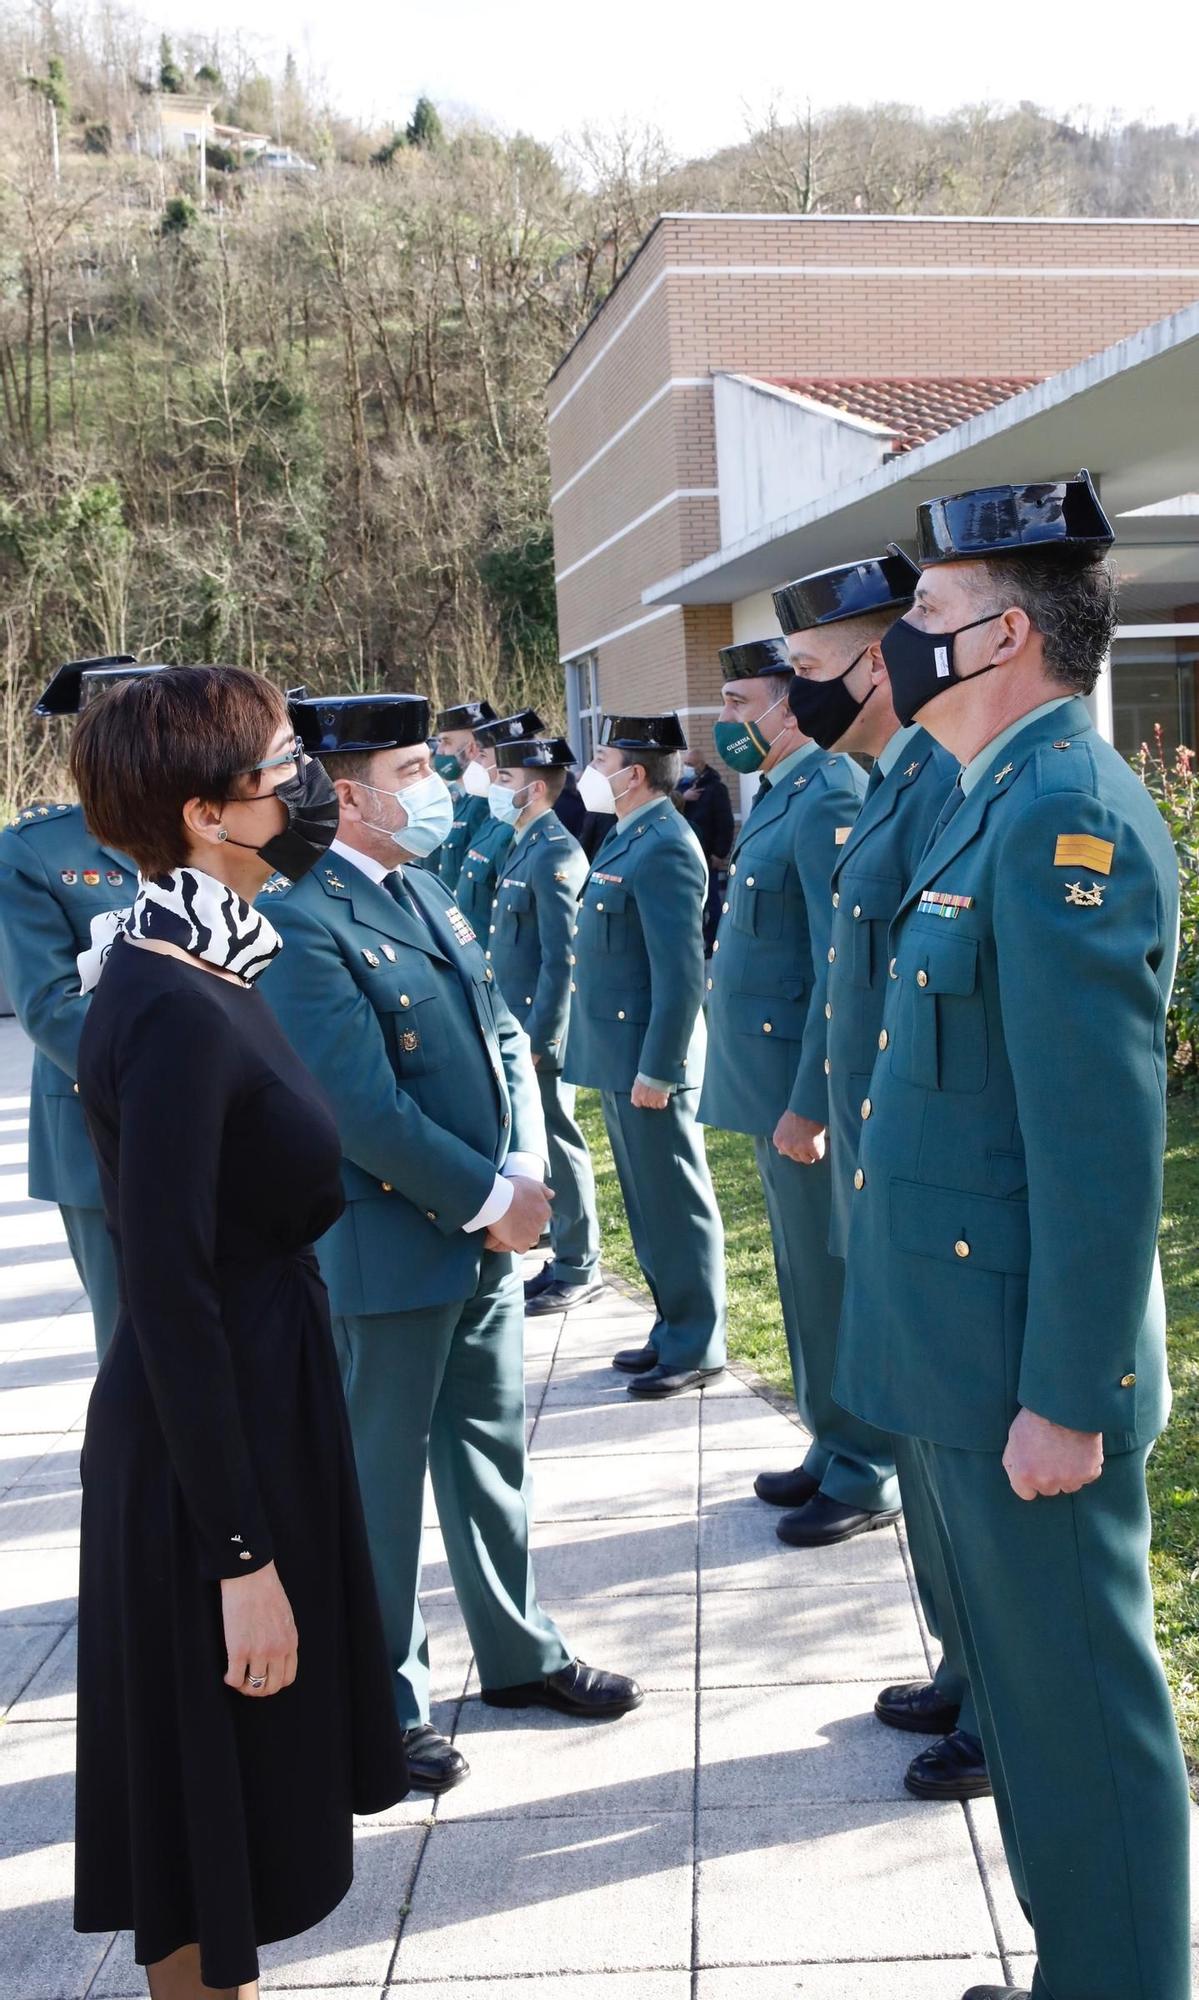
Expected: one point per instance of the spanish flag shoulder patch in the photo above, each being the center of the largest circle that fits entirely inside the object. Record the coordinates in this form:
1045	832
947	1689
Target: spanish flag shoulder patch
841	835
1084	850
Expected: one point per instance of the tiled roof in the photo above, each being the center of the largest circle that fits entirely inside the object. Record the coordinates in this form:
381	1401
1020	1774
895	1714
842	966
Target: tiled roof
913	408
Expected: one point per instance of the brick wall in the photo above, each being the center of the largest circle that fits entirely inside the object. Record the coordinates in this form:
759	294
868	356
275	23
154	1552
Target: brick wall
631	422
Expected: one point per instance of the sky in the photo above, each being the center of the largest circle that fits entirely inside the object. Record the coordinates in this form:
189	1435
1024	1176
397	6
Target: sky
699	71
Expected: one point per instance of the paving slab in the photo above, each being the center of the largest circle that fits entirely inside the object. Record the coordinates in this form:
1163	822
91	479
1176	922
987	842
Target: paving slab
728	1476
938	1979
36	1517
550	1896
619	1487
559	1986
37	1785
616	1425
24	1650
819	1632
48	1695
741	1551
597	1558
837	1882
537	1764
774	1746
38	1586
740	1423
41	1957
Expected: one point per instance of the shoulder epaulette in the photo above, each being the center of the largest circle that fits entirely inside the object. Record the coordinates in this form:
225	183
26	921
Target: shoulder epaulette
1065	766
37	816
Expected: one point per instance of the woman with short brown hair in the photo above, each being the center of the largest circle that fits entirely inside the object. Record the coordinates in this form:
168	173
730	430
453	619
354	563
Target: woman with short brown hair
234	1699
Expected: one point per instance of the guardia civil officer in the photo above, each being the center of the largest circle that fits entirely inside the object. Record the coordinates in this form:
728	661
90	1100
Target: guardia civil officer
384	991
841	697
637	1035
457	758
530	947
54	878
766	1070
1004	1305
491	840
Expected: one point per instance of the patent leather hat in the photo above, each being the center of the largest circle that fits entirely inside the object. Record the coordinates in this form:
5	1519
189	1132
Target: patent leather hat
850	590
329	724
1009	520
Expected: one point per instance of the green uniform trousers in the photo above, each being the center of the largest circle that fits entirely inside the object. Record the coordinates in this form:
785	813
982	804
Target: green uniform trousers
851	1459
91	1249
574	1224
444	1387
1056	1611
675	1224
952	1678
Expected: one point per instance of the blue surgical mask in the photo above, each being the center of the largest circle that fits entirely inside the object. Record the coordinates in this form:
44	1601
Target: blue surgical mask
506	805
430	815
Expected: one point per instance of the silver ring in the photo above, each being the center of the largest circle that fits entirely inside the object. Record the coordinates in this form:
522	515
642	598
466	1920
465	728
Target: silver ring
256	1680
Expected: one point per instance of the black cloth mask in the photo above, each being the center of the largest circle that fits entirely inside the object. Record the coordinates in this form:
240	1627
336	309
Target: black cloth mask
920	664
313	813
824	710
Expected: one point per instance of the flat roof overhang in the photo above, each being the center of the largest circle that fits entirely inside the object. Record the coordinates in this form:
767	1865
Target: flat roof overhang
1130	414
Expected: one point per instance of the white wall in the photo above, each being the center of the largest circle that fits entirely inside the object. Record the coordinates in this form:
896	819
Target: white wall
775	451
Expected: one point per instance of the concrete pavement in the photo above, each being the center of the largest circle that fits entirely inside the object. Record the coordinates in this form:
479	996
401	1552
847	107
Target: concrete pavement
744	1836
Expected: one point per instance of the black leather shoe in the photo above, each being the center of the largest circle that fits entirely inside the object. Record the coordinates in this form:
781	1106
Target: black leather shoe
636	1360
786	1489
918	1706
576	1690
433	1763
998	1993
541	1282
559	1297
661	1381
954	1768
822	1522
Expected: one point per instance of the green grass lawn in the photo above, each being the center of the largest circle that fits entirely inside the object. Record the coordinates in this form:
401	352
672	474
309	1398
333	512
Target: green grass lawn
756	1337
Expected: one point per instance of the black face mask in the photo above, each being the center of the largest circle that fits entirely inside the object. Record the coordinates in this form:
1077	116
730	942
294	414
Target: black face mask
824	710
920	664
312	819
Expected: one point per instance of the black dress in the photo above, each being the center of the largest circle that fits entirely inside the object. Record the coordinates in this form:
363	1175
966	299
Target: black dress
217	1440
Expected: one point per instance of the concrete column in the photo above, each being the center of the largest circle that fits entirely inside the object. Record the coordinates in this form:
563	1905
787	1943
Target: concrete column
1100	703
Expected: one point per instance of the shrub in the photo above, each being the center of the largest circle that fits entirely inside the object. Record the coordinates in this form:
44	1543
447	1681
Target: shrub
1173	783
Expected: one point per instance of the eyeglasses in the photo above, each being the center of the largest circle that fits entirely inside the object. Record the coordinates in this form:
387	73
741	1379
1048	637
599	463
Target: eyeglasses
295	754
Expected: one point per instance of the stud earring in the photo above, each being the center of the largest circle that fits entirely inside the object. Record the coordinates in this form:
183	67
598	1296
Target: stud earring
221	833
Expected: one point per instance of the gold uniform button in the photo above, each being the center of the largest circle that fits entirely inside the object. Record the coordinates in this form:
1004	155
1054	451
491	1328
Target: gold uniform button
732	868
828	1010
75	1088
922	977
883	1039
573	987
836	899
716	944
528	999
1128	1381
859	1179
386	1186
891	969
961	1248
571	959
487	954
867	1107
857	910
491	929
828	1068
832	954
768	1027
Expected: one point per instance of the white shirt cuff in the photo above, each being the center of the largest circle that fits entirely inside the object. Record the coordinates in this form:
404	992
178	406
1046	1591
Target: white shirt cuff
497	1204
524	1167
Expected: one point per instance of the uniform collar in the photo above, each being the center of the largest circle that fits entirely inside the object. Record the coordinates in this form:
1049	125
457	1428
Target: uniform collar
629	821
369	866
521	833
791	763
891	752
981	764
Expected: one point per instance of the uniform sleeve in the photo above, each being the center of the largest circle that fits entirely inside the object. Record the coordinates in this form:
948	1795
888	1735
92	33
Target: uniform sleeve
176	1080
1081	986
333	1027
815	858
670	885
524	1094
561	873
37	955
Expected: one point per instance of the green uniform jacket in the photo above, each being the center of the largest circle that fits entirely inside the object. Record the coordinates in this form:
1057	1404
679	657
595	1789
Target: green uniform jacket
639	979
428	1073
874	866
480	871
469	813
54	878
532	932
770	961
1003	1242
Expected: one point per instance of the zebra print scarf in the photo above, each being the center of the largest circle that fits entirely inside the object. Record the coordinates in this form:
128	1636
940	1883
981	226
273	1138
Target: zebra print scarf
199	914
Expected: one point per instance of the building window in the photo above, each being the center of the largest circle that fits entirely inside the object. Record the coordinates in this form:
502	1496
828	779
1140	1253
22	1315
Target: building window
1153	683
583	705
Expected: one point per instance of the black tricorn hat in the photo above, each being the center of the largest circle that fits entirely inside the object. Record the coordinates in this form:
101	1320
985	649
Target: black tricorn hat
535	753
755	660
74	685
327	724
850	590
510	729
465	715
642	732
1005	520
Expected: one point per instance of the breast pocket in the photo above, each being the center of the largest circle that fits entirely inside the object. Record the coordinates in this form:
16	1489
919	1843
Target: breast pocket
870	902
414	1026
760	894
940	1038
611	910
516	909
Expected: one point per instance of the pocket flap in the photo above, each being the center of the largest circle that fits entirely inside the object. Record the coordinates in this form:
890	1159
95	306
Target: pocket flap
969	1229
949	964
757	1014
765	874
874	896
516	898
606	1003
610	898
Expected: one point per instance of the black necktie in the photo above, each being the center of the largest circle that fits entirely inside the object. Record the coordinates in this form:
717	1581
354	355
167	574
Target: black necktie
874	780
400	893
764	786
